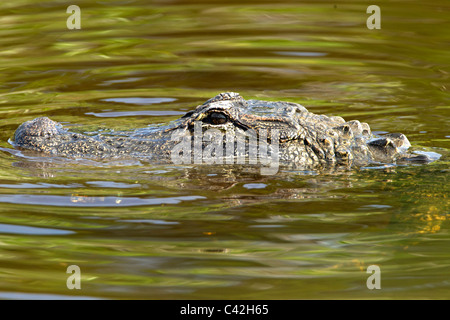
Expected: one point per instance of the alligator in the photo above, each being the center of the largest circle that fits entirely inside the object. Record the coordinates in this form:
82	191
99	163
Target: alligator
294	137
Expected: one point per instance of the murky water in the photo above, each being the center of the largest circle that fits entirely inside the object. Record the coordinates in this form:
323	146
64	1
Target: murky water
201	232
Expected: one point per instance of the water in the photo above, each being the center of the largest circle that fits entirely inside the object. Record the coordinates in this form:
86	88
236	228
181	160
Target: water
200	232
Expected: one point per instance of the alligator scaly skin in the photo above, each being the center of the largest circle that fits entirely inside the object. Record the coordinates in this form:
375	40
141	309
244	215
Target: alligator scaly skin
304	139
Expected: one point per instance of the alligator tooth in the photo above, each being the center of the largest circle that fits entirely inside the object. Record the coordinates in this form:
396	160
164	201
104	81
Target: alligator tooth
383	147
400	140
380	142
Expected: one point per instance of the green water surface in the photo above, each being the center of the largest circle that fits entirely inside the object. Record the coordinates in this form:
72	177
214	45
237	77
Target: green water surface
143	231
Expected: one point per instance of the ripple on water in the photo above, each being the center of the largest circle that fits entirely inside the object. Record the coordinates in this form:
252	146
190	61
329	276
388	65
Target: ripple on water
15	229
91	201
140	101
112	114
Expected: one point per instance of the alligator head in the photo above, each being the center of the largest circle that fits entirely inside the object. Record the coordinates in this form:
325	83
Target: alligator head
229	129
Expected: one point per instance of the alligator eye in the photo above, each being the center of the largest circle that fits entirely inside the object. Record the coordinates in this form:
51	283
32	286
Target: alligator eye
216	118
